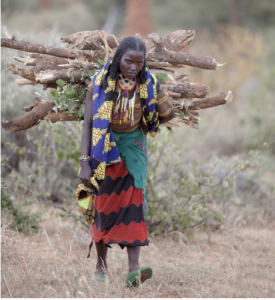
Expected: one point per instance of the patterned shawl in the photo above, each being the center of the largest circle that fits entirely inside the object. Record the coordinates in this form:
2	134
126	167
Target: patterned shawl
103	147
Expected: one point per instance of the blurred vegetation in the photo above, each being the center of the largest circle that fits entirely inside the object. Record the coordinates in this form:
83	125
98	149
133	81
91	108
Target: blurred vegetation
41	164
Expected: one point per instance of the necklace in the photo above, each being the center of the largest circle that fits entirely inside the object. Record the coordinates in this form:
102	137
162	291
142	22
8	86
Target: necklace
125	102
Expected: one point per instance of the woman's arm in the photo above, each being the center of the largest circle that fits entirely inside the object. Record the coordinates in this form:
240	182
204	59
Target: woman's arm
86	171
165	106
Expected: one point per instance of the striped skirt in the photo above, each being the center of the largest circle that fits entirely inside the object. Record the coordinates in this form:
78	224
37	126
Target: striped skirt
119	216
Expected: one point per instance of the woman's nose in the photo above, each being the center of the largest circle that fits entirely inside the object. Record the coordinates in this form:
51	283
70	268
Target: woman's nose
133	67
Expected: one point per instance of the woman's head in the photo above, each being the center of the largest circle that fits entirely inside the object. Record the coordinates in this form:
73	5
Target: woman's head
129	59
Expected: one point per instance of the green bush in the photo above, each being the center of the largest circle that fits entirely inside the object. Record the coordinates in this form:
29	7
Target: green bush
22	220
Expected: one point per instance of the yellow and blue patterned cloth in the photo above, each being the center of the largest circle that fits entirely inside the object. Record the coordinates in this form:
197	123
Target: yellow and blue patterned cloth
103	146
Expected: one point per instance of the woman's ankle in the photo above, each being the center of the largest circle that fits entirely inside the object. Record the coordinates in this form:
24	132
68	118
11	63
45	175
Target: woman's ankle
133	268
101	267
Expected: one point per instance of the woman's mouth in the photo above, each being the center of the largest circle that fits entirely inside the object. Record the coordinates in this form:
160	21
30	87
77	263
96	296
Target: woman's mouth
131	74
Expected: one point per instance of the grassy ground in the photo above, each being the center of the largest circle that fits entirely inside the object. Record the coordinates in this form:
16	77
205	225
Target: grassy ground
233	263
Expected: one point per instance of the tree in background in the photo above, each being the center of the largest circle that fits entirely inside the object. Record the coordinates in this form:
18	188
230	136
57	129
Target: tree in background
138	18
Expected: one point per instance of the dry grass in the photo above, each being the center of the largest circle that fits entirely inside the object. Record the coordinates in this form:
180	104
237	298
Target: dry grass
53	263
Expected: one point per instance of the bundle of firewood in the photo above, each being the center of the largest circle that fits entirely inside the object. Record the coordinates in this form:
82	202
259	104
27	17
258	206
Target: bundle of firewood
73	66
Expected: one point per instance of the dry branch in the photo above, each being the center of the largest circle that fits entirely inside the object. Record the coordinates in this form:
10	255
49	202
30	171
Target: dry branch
220	99
23	81
188	90
25	73
50	50
55	117
36	114
52	63
173	57
89	40
43	110
179	39
51	76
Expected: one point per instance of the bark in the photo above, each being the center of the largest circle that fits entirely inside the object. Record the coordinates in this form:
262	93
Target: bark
161	64
45	62
220	99
179	39
173	57
51	76
176	122
43	110
55	117
28	74
158	42
89	40
188	90
174	95
50	50
23	81
38	112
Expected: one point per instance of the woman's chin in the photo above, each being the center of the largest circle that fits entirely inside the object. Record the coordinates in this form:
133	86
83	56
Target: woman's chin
131	76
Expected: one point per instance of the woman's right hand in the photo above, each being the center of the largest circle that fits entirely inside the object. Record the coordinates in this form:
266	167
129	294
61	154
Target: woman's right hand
85	173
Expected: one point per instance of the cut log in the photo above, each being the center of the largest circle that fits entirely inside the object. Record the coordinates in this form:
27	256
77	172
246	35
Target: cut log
179	39
174	95
161	64
50	50
176	122
23	81
220	99
51	76
188	90
52	63
26	73
86	40
173	57
37	113
55	117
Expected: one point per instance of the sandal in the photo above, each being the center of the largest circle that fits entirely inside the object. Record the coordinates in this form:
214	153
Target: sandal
100	277
139	275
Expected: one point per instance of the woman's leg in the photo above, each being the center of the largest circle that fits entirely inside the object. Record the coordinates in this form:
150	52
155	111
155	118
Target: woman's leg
101	249
133	257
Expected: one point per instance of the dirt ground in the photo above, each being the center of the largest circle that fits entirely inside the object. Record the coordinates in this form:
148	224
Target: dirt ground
53	263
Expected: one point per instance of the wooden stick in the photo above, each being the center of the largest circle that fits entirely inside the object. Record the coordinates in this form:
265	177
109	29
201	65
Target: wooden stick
28	74
37	113
55	117
49	50
220	99
174	95
23	81
188	90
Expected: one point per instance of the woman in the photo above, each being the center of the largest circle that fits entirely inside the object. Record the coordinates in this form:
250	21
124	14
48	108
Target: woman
123	103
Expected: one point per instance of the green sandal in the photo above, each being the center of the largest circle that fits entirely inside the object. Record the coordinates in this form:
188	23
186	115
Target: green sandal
134	279
100	277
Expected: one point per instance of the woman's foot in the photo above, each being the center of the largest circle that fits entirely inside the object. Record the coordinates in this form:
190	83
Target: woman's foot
139	276
101	267
133	268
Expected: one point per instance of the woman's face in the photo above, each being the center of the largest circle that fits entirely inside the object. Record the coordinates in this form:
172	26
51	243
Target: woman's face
131	63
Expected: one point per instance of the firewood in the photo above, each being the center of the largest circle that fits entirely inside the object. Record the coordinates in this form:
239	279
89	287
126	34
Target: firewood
174	57
50	50
23	81
28	74
85	52
188	90
51	76
36	114
220	99
88	40
178	40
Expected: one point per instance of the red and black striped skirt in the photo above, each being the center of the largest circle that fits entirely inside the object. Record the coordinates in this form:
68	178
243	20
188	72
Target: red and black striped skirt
119	216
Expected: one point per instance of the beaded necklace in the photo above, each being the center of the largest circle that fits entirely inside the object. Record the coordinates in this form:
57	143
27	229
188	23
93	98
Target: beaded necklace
125	102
